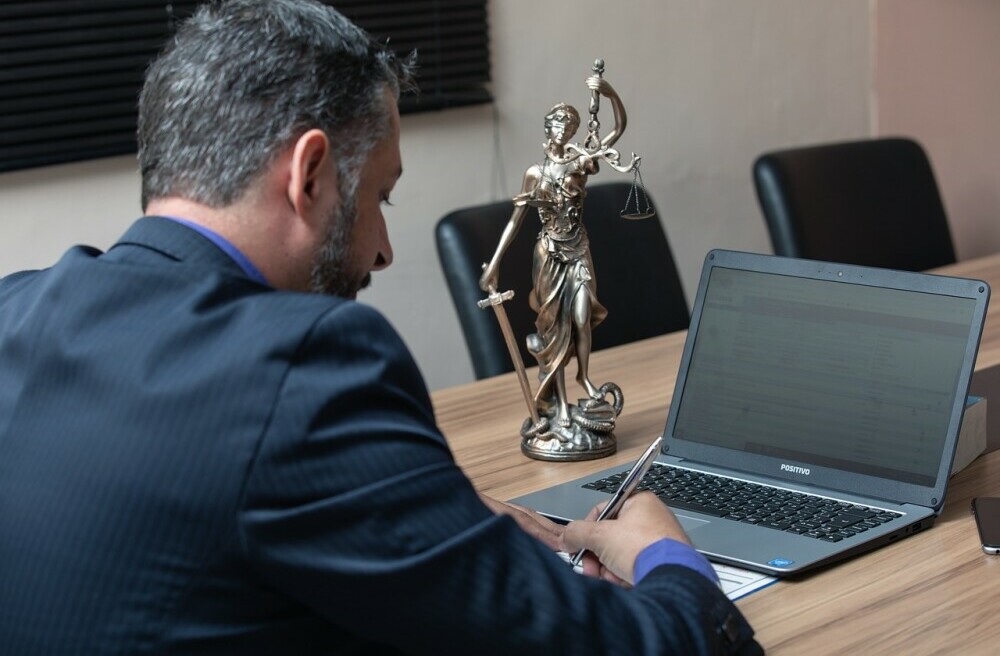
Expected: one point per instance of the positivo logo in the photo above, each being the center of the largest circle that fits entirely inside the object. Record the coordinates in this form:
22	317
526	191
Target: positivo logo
795	470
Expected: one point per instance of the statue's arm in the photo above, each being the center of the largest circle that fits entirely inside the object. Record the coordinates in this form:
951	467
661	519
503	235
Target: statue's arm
491	273
602	86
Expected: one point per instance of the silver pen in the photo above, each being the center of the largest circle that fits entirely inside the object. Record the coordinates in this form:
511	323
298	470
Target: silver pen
625	490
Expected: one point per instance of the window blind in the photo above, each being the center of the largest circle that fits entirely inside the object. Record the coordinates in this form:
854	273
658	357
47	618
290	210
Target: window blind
450	37
71	70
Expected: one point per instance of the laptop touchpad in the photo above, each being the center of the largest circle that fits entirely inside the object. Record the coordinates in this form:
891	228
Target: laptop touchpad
690	523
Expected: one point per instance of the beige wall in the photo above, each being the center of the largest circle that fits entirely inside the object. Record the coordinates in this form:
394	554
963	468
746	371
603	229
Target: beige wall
708	84
937	79
44	211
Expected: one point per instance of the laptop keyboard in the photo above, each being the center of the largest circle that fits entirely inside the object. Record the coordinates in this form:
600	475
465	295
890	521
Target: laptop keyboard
771	507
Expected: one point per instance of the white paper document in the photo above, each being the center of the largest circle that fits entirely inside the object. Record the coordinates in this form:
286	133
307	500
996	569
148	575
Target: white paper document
738	582
735	582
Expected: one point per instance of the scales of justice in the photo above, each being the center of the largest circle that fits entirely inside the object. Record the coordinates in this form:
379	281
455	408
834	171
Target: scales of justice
564	292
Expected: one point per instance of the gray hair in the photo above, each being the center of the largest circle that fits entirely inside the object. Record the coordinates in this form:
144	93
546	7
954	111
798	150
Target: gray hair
241	80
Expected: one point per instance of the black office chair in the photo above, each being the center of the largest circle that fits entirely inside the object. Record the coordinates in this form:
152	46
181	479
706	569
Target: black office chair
637	280
872	202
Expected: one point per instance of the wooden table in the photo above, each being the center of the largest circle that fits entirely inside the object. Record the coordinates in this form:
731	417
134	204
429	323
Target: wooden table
930	593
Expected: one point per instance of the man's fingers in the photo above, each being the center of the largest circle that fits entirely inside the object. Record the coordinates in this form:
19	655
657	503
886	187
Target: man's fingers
595	511
591	566
547	535
541	528
584	533
617	542
608	575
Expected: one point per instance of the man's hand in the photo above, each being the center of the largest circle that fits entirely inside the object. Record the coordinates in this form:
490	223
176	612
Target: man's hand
539	527
616	543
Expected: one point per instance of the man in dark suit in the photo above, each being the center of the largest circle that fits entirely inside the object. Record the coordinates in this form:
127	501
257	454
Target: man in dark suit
207	447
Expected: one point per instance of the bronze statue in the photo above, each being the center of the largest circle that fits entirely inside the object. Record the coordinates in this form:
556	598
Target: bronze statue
564	292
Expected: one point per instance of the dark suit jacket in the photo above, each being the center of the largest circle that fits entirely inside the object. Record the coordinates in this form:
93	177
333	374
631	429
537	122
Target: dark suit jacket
191	462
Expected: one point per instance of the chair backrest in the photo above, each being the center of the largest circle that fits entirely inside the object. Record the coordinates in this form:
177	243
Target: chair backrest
637	280
872	202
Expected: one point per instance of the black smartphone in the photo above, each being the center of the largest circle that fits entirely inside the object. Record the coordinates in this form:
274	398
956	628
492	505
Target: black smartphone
987	512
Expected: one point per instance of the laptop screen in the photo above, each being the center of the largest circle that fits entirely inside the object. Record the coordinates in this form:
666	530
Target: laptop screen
848	376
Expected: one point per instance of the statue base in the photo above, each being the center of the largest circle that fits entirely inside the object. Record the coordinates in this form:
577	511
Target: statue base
589	435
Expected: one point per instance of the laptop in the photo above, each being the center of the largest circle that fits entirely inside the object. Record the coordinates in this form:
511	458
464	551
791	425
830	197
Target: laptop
816	411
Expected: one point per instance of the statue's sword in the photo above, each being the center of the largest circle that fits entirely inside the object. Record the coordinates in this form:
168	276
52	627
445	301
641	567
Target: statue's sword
496	300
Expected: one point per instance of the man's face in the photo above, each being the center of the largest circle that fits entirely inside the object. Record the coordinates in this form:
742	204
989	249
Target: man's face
346	259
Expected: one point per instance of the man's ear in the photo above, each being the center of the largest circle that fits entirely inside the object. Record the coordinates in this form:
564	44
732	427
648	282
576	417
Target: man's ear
309	178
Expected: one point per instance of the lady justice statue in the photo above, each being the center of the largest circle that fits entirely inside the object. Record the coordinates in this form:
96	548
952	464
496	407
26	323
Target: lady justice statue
564	292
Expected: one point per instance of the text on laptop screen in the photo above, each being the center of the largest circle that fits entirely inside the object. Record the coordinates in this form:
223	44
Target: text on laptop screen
840	375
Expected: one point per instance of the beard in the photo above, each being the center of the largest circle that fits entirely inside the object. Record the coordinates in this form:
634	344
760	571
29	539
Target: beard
331	270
